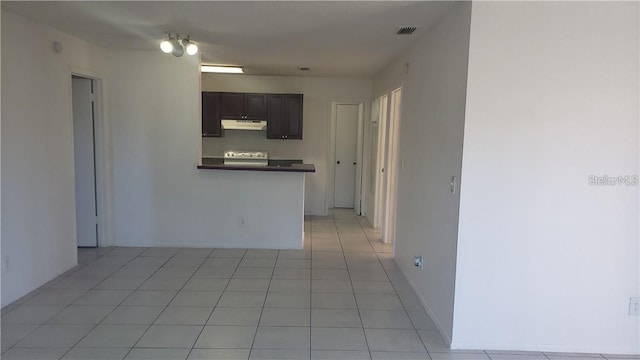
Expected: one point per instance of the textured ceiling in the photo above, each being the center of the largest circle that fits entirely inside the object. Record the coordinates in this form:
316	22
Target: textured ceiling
333	38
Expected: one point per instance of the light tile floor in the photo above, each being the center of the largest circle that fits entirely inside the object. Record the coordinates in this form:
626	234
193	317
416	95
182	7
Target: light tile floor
342	297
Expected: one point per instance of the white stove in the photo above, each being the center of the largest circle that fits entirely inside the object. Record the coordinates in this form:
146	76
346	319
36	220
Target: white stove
246	158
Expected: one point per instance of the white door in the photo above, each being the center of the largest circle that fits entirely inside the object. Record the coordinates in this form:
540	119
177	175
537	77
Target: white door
84	154
347	116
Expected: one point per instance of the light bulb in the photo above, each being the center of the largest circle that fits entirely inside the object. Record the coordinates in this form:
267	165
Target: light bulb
192	48
166	46
189	47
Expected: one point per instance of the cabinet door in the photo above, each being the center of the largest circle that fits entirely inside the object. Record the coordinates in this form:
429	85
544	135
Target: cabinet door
231	106
211	114
284	118
255	106
276	116
294	116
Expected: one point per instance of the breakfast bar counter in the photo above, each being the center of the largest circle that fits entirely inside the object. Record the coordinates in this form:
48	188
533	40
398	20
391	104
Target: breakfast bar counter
261	201
213	163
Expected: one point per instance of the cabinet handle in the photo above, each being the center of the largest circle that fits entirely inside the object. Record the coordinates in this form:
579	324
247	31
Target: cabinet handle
338	162
354	163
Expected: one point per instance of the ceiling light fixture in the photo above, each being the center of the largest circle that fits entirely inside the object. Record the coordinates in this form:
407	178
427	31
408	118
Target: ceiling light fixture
166	46
189	47
221	69
178	50
177	46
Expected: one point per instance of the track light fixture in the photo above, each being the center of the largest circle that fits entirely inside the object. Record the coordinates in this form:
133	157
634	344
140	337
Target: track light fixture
166	45
177	47
189	47
178	50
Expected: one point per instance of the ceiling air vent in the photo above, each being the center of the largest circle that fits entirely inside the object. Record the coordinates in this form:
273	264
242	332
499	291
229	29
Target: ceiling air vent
406	30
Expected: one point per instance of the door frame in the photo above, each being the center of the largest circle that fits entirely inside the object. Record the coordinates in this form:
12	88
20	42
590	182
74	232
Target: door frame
330	193
370	169
392	165
102	158
381	159
84	152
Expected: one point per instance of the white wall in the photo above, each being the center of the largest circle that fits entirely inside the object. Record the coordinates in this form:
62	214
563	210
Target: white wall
432	120
161	198
545	261
313	148
38	200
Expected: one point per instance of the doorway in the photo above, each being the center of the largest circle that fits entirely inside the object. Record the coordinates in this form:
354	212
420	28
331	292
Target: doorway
344	175
380	161
374	129
84	148
346	155
391	181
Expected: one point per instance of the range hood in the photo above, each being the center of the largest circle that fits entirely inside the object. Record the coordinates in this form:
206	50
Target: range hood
256	125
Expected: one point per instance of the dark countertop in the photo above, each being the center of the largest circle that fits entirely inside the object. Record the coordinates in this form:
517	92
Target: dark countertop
274	165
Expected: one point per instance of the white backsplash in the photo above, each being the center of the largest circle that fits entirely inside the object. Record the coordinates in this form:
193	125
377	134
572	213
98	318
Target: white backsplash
252	140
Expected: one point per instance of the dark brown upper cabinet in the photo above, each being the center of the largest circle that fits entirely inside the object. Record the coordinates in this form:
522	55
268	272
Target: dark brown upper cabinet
243	106
284	116
211	114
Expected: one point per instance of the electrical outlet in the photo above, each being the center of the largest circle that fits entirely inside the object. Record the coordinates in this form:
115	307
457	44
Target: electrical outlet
634	306
417	262
242	222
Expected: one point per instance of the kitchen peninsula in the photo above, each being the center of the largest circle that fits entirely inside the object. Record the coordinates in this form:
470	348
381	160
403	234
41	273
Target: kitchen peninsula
267	202
265	197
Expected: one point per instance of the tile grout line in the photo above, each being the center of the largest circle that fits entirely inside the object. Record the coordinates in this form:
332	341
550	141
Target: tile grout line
217	302
366	341
398	296
63	309
255	334
395	291
125	299
136	289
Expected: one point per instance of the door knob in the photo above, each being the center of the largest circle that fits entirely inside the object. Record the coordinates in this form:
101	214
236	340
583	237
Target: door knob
338	161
